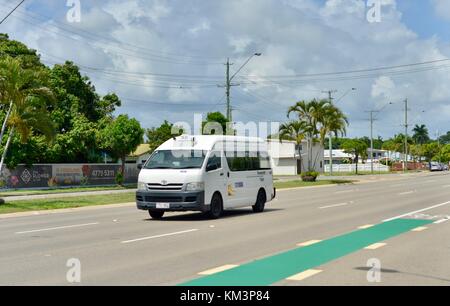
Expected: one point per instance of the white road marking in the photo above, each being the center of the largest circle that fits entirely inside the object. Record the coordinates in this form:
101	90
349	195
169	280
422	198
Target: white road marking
407	192
56	228
345	191
446	186
420	229
417	211
160	236
218	269
366	226
303	275
375	246
441	221
308	243
335	205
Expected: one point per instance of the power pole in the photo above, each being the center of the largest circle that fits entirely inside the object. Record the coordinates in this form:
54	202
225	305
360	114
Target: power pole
372	119
229	84
228	90
330	134
405	166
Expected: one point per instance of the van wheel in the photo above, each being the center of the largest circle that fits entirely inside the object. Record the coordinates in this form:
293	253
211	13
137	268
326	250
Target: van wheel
216	209
157	215
260	202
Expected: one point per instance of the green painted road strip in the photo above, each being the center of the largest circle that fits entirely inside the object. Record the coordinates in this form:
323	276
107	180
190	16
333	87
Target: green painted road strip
275	268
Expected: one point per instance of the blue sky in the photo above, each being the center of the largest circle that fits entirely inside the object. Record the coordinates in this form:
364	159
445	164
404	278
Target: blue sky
186	39
421	17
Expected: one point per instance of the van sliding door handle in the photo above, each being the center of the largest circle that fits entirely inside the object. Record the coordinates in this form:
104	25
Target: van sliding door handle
221	174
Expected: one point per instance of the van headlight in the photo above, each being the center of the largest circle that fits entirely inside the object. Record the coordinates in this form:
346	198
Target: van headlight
142	186
198	186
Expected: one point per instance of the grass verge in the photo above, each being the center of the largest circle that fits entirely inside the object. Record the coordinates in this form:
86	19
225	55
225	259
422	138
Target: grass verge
22	192
299	183
69	202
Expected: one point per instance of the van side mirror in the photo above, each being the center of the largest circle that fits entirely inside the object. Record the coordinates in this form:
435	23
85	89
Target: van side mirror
211	167
140	166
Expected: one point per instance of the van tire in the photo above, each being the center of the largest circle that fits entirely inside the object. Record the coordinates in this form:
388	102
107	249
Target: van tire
216	207
260	202
155	214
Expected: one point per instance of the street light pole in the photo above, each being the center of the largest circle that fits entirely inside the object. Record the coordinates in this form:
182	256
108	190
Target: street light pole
372	119
330	134
405	166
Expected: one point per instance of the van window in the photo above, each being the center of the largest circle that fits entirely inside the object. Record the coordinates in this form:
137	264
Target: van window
214	159
247	161
176	159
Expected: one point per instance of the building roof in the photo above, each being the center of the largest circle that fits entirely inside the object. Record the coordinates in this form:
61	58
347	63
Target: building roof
141	150
337	154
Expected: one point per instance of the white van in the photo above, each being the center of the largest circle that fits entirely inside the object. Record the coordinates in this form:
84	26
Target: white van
206	173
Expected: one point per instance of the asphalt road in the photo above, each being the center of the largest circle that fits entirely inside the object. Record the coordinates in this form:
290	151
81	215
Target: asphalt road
119	245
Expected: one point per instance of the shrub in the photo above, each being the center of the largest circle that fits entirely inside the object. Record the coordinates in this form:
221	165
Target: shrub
119	178
310	176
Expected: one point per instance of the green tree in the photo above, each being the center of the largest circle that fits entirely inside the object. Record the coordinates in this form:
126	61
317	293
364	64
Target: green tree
214	120
294	131
356	147
27	101
431	150
420	135
445	139
27	57
445	153
332	121
121	137
156	136
322	119
311	113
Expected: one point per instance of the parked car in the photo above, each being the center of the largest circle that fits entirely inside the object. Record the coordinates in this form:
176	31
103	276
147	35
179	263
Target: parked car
435	166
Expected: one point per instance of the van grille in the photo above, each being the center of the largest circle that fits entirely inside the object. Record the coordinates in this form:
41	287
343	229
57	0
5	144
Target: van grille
171	187
153	199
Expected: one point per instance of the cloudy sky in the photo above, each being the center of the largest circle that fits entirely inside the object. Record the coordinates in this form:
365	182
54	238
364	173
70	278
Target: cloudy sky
165	58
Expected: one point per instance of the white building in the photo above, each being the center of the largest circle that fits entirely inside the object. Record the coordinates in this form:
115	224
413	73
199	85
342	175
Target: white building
286	160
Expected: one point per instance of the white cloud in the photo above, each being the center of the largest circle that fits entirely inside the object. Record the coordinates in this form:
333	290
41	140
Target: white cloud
442	8
205	25
295	37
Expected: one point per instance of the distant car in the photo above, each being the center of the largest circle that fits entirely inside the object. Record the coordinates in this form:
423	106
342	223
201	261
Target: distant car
435	166
445	167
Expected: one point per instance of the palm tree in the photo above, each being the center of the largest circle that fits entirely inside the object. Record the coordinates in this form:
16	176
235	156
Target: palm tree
294	131
311	113
323	118
421	135
333	121
26	99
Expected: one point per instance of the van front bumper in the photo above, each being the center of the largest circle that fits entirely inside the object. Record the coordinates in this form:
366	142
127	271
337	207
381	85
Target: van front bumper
178	200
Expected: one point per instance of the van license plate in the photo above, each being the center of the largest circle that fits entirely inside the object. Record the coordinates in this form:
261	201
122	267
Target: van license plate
163	205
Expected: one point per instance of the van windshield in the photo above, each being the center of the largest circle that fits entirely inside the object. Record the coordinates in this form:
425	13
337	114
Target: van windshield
176	159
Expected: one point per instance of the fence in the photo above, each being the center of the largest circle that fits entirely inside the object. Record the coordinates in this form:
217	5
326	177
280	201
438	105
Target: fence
53	175
361	167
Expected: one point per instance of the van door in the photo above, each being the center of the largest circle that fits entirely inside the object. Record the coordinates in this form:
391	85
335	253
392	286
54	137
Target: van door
215	178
